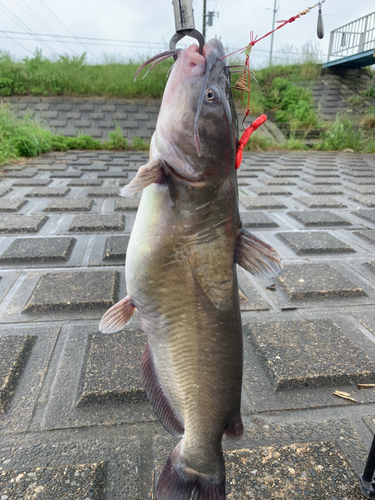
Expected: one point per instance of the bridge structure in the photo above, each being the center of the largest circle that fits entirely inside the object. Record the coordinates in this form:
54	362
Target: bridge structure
353	45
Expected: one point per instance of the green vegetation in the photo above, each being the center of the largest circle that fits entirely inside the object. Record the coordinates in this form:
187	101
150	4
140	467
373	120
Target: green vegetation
25	137
346	134
72	76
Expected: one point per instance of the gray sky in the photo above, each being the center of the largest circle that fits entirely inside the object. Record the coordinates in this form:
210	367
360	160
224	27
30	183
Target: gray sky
144	27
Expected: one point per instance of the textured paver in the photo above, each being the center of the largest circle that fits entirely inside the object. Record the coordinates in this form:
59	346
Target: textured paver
79	481
38	250
22	223
94	222
75	400
314	242
111	373
308	470
14	351
317	282
261	203
74	290
319	218
13	205
70	205
115	247
295	355
320	202
257	219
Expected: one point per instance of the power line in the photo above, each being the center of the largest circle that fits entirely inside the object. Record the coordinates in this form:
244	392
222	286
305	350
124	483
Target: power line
49	8
43	24
15	41
19	22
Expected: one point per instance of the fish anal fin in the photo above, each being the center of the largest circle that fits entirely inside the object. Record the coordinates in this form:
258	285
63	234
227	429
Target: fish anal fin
161	404
118	316
146	175
234	428
256	256
177	482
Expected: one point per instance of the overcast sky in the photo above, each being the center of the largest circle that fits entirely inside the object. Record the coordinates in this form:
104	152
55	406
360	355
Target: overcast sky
144	27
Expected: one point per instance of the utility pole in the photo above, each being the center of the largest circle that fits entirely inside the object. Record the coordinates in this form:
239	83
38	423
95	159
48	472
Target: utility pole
204	18
273	27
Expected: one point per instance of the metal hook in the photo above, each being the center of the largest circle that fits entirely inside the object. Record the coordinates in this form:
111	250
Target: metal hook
184	22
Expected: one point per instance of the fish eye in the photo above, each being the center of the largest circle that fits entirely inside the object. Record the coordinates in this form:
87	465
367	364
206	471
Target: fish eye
211	95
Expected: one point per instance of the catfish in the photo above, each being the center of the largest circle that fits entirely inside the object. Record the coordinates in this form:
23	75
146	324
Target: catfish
181	273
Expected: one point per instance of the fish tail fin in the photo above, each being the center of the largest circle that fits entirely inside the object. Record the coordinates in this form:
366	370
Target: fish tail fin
118	316
178	482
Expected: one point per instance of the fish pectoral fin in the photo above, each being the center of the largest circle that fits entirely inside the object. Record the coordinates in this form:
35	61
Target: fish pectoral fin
146	175
256	256
118	316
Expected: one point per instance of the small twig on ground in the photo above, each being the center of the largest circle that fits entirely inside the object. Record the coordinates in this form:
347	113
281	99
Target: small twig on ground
344	395
151	495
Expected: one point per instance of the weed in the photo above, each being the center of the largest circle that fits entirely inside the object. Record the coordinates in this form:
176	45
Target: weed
292	104
140	144
116	140
343	134
354	99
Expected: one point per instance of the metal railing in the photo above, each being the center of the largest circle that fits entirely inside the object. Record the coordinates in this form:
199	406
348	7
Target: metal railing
353	38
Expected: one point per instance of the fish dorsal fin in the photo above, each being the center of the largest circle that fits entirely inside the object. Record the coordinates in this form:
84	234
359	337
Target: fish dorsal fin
146	175
256	256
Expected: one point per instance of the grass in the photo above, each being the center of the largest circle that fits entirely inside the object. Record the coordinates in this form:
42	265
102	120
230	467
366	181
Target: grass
25	137
72	76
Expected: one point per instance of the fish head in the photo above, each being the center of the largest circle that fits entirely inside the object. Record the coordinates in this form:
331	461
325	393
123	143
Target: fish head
196	132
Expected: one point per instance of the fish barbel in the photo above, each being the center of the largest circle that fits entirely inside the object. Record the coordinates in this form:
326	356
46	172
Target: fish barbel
181	273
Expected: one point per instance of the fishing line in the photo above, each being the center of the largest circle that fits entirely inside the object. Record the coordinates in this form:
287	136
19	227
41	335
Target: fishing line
243	84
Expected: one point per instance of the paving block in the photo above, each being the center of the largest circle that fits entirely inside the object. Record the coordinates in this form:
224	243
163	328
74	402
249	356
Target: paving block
309	353
50	114
316	470
278	182
97	222
81	481
4	191
257	220
104	192
322	190
314	242
47	192
27	173
85	182
364	189
12	205
112	175
319	218
94	168
115	247
22	223
87	108
261	203
70	205
320	202
67	174
126	204
111	373
366	214
271	191
32	182
38	250
370	266
74	290
324	181
369	201
64	107
57	123
367	235
302	281
14	351
73	116
362	180
53	167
